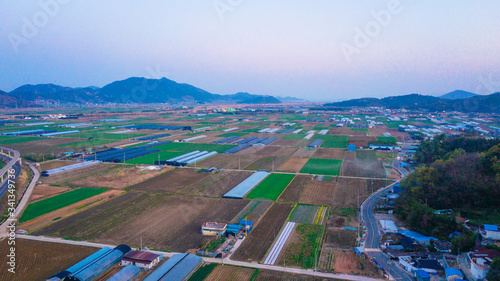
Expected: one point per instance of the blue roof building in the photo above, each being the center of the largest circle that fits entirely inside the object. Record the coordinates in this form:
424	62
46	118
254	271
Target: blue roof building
453	274
422	275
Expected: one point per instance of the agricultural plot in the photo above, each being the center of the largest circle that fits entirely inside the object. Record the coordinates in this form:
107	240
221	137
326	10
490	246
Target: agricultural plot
293	165
319	193
350	155
218	184
48	165
304	214
346	262
340	131
366	155
387	140
277	151
59	201
42	191
231	273
333	141
230	134
329	153
254	247
364	169
340	238
304	251
150	159
253	211
271	275
293	137
203	272
171	182
65	178
268	163
361	141
294	190
228	161
37	260
288	142
271	187
304	153
329	167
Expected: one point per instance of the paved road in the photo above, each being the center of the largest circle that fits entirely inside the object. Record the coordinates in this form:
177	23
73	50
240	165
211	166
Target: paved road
11	162
372	238
211	260
22	204
17	171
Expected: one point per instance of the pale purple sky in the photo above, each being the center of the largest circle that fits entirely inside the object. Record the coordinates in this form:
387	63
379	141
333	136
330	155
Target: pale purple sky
306	49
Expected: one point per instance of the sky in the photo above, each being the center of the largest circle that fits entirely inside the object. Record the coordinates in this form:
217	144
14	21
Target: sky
320	50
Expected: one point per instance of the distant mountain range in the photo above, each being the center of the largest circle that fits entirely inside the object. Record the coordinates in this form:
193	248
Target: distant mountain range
448	102
131	90
291	100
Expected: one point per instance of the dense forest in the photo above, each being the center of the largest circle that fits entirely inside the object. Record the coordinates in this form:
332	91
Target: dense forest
462	174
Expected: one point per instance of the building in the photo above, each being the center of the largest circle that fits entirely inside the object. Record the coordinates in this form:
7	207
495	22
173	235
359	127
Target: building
453	274
422	275
480	261
141	259
491	232
213	228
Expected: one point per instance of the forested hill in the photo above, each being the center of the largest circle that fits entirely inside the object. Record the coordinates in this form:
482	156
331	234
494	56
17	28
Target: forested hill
455	173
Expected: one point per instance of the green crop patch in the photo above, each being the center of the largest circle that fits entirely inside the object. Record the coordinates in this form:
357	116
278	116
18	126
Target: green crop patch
333	141
271	187
238	134
293	137
304	213
359	129
16	139
48	205
387	140
330	167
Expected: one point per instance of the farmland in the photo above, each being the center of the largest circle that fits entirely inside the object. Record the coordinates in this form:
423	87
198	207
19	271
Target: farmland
39	260
294	190
53	203
293	164
254	247
329	153
340	238
329	167
346	262
203	272
305	250
268	163
364	169
304	214
366	155
171	181
333	141
226	272
271	187
252	211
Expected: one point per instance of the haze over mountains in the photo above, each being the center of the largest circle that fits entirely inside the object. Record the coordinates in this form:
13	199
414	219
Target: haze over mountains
142	90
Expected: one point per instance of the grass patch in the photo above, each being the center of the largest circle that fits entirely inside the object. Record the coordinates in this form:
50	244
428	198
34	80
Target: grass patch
271	187
293	137
151	158
359	130
48	205
387	140
330	167
333	141
303	213
18	139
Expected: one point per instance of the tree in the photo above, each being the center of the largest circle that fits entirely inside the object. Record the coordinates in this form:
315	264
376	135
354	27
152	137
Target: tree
494	273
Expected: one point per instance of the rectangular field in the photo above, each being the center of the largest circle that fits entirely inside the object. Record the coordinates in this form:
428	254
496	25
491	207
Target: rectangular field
255	246
366	155
294	190
171	182
293	164
56	202
333	141
271	187
319	193
304	214
268	163
364	169
330	167
304	251
227	273
252	211
329	153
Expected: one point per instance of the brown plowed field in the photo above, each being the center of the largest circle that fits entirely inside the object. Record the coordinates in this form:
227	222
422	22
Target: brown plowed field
295	188
48	165
346	262
350	155
218	184
364	169
329	153
172	181
252	150
266	163
285	142
319	193
228	161
340	238
293	165
271	275
277	151
68	176
361	141
357	133
37	260
340	131
230	273
304	153
347	192
255	246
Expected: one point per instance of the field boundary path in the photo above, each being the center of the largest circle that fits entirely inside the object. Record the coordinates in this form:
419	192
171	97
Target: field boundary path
372	238
210	260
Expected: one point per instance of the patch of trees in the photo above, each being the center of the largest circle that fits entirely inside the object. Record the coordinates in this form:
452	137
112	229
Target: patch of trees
463	175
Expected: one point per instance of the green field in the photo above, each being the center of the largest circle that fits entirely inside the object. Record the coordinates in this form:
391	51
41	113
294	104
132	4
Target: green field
303	213
387	140
48	205
305	252
333	141
238	134
203	272
87	143
271	187
366	155
151	158
359	129
16	139
330	167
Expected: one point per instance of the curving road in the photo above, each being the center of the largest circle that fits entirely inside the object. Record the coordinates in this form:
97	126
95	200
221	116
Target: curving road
372	238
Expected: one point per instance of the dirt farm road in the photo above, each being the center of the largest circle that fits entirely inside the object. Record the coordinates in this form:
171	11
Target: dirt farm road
210	260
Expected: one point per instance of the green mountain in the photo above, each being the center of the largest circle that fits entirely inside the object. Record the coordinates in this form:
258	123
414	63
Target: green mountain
458	95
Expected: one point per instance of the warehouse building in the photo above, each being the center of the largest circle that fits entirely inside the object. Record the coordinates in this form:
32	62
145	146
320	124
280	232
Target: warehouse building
247	185
213	228
177	268
141	259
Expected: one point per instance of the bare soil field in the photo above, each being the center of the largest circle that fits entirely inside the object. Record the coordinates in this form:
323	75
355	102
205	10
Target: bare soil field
329	153
65	178
285	142
47	165
378	131
350	155
365	169
39	260
189	237
42	191
252	150
218	184
268	150
268	163
348	190
228	161
357	133
304	153
319	193
255	246
67	211
230	273
340	131
294	190
346	262
118	177
339	238
39	147
171	181
293	165
271	275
